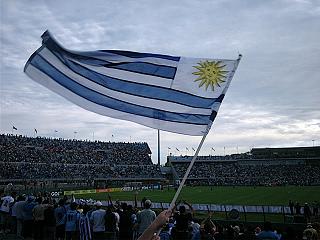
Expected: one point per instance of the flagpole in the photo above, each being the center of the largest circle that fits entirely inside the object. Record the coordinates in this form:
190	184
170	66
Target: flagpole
188	171
158	147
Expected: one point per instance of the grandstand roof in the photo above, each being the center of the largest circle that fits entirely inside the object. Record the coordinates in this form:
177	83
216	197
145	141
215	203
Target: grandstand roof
287	152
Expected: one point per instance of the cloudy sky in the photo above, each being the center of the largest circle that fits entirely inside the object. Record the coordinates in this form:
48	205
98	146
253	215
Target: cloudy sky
273	100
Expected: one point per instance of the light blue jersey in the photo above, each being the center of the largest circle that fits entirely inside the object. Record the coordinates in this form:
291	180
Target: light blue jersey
72	220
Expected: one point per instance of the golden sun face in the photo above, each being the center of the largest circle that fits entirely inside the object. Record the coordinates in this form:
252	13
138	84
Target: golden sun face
211	73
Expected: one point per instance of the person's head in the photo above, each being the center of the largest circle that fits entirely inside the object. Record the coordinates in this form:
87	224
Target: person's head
257	230
236	230
73	206
130	208
310	234
182	209
98	204
147	204
124	206
61	202
86	208
267	226
30	198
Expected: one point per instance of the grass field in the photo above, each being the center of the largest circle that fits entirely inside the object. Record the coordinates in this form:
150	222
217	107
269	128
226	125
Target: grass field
223	195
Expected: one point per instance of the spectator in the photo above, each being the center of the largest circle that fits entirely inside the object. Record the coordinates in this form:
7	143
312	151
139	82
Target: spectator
183	218
72	222
291	206
49	221
6	203
310	233
59	214
206	232
18	209
145	217
111	224
97	219
267	233
298	208
84	224
155	225
307	212
125	224
28	227
38	217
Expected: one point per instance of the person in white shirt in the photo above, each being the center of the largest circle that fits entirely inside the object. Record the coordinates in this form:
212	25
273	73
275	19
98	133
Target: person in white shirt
97	220
6	203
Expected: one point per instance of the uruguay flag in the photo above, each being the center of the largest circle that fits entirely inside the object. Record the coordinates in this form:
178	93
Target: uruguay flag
170	93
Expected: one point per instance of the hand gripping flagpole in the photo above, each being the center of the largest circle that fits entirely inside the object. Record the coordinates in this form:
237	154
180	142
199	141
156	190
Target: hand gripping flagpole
188	171
197	152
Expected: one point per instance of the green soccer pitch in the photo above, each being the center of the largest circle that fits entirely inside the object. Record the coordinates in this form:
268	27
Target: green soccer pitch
222	195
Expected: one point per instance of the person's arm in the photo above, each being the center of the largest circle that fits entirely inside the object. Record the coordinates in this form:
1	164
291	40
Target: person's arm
190	207
156	225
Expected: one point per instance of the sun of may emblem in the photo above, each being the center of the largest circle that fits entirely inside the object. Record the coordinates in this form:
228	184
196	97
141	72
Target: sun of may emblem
211	73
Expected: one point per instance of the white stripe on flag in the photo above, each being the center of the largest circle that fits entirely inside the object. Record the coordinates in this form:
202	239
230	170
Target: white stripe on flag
129	76
153	103
176	127
115	58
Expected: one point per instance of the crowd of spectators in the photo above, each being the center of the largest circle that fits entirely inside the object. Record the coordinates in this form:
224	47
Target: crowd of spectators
44	158
41	217
49	150
214	173
43	171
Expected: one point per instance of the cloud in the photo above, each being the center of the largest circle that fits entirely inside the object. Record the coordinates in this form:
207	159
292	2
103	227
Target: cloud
272	101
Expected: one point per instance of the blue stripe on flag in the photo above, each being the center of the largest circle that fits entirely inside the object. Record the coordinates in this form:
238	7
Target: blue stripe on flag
145	68
137	67
138	89
103	100
142	55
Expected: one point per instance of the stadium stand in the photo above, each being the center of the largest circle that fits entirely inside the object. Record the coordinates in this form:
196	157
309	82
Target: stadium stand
43	158
24	159
266	167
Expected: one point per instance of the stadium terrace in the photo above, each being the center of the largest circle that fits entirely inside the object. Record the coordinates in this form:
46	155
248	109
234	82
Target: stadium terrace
51	166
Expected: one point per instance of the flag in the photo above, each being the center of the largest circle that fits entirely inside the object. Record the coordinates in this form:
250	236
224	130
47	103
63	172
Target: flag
177	149
14	128
35	130
170	93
